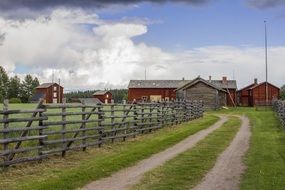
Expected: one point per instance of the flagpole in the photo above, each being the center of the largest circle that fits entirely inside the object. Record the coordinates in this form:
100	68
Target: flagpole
266	71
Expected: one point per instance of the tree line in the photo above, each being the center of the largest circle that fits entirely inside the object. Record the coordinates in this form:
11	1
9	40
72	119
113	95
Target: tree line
117	94
14	89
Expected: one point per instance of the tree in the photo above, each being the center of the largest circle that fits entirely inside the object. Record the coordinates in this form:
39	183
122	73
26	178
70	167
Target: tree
282	92
27	88
4	83
14	87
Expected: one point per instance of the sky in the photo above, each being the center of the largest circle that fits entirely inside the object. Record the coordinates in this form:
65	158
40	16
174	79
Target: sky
103	44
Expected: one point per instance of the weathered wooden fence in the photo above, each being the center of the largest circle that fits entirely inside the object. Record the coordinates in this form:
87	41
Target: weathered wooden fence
52	129
279	107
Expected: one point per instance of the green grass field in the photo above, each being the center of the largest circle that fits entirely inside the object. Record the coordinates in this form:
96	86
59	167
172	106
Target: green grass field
187	169
265	159
79	168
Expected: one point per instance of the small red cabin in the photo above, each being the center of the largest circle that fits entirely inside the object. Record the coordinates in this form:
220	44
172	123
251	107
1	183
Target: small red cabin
50	92
153	90
103	96
256	93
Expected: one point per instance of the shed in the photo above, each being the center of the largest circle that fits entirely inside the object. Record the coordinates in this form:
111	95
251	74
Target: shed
256	93
153	90
243	94
211	94
103	96
50	92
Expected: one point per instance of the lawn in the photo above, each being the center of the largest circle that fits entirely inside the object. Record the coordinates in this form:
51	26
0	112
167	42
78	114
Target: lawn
265	159
79	168
187	169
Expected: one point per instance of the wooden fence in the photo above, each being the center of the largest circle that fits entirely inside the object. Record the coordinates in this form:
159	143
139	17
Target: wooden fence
49	129
279	107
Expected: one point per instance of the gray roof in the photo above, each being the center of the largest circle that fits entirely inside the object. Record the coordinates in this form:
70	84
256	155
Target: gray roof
90	100
231	84
157	83
199	79
100	92
46	85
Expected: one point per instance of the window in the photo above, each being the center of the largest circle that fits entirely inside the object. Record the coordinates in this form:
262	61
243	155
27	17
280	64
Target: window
54	94
107	95
144	98
54	88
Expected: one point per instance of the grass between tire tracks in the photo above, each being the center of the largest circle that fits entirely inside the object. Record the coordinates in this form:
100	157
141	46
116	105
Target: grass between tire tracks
80	168
188	168
265	160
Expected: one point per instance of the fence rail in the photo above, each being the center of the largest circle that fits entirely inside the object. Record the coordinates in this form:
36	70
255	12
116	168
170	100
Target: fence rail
279	107
54	129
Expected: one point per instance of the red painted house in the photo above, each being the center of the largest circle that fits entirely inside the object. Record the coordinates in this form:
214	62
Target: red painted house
165	90
103	96
243	94
50	92
153	90
256	93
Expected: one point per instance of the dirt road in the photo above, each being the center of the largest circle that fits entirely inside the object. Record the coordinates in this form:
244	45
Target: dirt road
226	173
125	178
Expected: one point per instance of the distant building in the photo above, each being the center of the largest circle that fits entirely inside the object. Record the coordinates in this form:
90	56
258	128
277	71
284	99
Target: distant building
256	93
153	90
103	96
50	92
213	93
164	90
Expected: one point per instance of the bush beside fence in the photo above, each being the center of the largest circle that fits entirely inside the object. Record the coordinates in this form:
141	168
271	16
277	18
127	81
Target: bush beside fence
54	129
279	107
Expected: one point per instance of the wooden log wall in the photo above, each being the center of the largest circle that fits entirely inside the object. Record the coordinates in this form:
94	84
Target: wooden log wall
55	129
279	107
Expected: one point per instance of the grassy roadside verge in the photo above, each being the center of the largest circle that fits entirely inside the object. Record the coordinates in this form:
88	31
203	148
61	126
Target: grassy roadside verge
266	157
265	160
80	168
188	168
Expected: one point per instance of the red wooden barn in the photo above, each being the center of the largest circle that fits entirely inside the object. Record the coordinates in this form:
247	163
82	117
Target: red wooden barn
50	92
255	93
103	96
164	90
153	90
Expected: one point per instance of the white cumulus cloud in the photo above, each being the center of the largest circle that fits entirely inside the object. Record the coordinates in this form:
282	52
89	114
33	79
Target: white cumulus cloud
86	52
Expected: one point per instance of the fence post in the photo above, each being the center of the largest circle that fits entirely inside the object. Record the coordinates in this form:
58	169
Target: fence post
123	120
5	134
114	133
142	116
135	119
100	119
83	118
41	141
63	118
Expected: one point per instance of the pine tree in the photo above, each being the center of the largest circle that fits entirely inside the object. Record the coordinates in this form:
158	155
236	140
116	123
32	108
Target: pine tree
27	88
14	87
4	83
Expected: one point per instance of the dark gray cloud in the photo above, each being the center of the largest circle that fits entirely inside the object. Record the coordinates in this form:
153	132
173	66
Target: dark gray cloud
263	4
44	4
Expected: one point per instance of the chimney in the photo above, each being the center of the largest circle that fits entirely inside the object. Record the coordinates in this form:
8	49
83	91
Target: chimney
183	78
210	78
255	81
225	81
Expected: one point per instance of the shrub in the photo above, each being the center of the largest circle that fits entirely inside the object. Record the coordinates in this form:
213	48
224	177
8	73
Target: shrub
15	101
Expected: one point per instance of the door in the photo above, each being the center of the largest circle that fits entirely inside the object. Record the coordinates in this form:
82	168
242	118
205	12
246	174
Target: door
155	98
